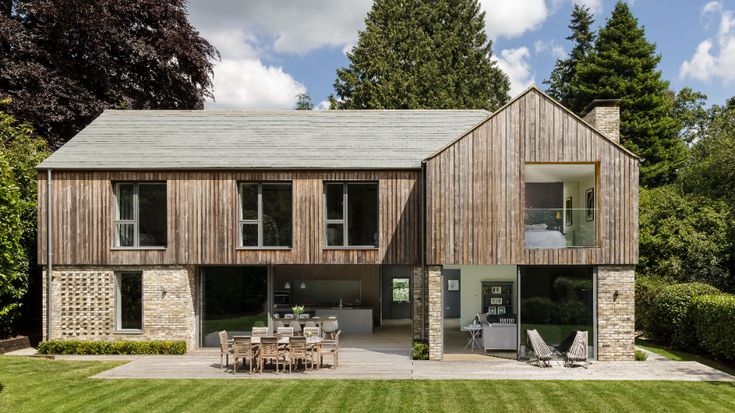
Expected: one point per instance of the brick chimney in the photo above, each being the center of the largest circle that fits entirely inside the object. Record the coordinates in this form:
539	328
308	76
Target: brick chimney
604	115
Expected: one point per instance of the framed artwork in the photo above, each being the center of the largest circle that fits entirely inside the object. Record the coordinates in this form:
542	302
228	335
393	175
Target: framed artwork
589	203
496	290
491	311
568	211
501	310
452	285
496	301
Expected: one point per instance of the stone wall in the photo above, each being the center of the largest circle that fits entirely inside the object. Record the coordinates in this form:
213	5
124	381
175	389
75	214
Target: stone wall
615	313
435	313
83	304
417	303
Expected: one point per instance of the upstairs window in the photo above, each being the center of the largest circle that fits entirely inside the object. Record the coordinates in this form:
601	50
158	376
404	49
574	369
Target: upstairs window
140	214
561	207
265	214
352	214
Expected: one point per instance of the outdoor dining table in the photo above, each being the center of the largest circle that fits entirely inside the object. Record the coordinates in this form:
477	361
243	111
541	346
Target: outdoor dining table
284	340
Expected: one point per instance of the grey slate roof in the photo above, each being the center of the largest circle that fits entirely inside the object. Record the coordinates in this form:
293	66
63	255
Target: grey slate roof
288	139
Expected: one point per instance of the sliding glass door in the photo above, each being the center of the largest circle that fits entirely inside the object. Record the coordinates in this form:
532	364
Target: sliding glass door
232	299
557	301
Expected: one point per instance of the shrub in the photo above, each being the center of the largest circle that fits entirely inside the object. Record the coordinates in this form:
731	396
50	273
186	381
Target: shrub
714	320
646	289
539	310
420	350
671	322
111	347
640	355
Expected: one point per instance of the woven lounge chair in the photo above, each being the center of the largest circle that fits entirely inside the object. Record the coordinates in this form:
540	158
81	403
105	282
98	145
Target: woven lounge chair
242	349
224	350
577	352
544	354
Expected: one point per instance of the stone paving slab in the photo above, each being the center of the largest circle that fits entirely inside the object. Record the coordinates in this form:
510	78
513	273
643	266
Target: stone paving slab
384	364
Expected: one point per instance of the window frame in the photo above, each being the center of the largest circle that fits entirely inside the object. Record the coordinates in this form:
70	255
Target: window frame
136	216
345	214
118	303
259	218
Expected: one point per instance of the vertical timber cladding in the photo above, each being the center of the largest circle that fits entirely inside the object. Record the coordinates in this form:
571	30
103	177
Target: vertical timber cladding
475	190
203	210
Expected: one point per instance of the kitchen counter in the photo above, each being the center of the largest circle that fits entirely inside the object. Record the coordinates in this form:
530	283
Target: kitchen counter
352	321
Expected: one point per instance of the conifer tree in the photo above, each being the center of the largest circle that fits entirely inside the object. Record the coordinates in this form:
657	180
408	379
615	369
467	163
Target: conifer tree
623	65
420	54
565	71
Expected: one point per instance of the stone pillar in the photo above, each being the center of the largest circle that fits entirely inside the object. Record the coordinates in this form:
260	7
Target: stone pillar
604	115
417	302
615	313
436	313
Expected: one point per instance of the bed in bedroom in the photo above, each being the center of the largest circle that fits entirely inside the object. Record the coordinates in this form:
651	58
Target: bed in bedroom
538	236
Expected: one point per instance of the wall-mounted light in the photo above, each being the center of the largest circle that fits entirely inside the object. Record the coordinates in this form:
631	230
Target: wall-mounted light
303	285
558	215
616	294
287	285
164	291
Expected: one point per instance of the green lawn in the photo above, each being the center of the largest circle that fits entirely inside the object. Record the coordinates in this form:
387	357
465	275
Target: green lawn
37	385
678	355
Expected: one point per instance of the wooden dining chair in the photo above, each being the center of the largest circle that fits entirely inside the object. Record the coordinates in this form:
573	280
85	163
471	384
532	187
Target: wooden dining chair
330	347
269	351
224	350
242	349
285	331
259	331
312	331
297	351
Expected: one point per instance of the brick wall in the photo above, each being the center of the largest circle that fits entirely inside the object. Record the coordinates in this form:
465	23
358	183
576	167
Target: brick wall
417	302
605	119
83	304
615	313
435	313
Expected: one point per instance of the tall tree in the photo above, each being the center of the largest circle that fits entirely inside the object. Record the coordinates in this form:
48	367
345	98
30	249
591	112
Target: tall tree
420	54
64	61
565	70
303	102
623	65
20	152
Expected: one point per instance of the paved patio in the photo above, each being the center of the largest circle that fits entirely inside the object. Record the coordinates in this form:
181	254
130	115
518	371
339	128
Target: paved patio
394	363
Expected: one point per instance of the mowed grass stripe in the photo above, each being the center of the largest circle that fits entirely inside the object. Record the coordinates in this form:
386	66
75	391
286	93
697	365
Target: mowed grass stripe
31	385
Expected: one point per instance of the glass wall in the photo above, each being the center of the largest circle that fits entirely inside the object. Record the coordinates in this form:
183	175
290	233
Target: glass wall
557	301
233	299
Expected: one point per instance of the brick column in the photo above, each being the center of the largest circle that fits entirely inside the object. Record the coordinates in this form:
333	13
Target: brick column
417	302
615	313
435	313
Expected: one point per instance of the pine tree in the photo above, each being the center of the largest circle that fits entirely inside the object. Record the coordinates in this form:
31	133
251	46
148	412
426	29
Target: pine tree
623	65
565	71
419	54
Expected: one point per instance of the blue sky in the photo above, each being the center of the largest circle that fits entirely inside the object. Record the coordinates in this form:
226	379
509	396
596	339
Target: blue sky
272	50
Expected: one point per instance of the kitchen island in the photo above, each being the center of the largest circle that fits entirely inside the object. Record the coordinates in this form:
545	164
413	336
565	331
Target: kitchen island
352	320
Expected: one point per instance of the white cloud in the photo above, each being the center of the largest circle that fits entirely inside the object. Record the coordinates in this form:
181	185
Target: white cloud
555	50
249	84
512	18
514	62
323	105
291	26
714	58
595	6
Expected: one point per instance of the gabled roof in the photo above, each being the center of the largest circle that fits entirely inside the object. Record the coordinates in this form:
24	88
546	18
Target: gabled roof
287	139
535	89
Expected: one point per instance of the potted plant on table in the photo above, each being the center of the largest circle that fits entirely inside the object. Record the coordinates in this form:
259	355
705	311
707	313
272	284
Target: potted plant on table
297	310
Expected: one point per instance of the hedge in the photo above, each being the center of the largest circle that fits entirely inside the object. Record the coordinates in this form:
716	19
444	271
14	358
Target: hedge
111	347
671	322
646	289
714	321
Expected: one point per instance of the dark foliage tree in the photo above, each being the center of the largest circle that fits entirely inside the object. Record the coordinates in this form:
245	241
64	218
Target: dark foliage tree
419	54
623	65
565	70
64	61
690	113
303	102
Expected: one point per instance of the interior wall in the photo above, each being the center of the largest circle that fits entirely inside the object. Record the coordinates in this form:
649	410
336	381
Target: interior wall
470	286
391	310
367	274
